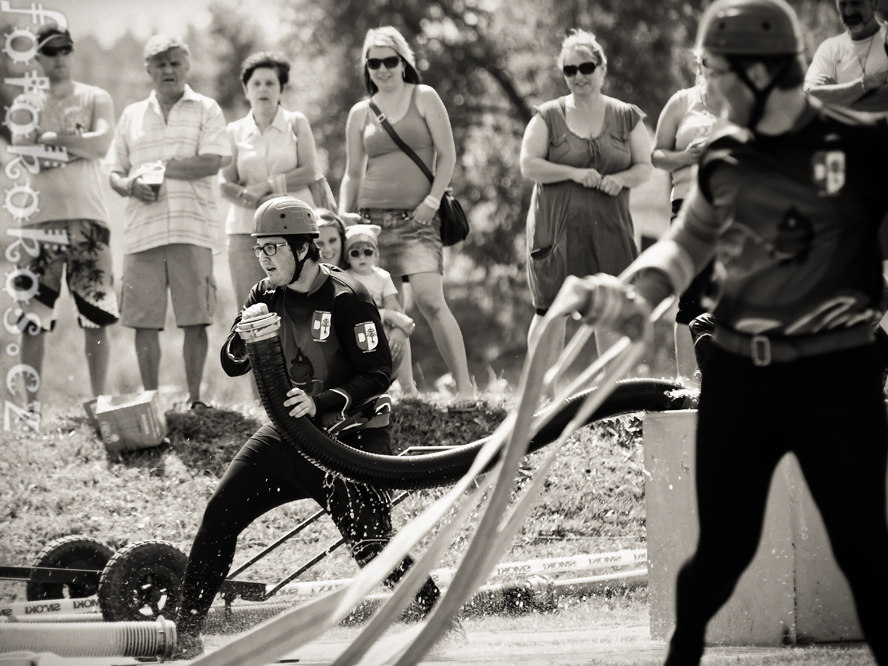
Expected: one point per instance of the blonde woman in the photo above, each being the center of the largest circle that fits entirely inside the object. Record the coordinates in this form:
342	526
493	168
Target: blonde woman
387	188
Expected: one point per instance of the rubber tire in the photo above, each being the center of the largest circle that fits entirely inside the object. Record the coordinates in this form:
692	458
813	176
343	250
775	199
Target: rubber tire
432	469
70	552
142	582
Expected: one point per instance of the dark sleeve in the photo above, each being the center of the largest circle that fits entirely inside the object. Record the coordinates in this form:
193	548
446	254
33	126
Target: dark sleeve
360	333
234	351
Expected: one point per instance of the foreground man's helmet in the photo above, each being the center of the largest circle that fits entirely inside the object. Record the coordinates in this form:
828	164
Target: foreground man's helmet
750	28
285	216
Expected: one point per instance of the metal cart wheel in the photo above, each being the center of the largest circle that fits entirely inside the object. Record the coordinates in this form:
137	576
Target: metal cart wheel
70	552
143	581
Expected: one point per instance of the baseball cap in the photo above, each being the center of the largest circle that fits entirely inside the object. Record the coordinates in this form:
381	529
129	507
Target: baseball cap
163	42
51	37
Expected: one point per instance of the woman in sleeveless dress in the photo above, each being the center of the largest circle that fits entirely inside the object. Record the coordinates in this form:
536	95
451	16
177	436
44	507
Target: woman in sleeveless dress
585	151
387	188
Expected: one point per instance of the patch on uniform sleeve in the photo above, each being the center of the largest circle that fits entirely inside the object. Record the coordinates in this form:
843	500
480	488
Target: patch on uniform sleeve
829	171
320	325
366	336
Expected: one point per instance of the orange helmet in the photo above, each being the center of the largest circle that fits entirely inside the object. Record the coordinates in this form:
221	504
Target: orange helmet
285	216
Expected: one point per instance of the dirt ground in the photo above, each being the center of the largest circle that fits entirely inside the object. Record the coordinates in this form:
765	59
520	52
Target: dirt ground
620	637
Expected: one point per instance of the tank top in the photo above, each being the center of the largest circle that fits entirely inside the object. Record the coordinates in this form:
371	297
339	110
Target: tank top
392	179
696	122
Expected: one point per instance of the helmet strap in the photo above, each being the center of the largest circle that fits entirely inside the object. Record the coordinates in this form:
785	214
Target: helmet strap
760	94
294	247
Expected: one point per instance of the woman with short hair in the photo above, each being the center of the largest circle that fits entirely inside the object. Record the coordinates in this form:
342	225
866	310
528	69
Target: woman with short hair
273	153
585	151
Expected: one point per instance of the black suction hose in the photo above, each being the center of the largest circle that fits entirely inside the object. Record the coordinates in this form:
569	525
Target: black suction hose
430	470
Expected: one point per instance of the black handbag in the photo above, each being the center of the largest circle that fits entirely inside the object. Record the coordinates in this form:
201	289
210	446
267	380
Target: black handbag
454	223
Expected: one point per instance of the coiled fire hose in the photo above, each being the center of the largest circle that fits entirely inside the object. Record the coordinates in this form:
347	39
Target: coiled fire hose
492	533
440	468
92	639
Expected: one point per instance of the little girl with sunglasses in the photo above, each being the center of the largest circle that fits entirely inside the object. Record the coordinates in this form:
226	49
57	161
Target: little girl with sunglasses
362	257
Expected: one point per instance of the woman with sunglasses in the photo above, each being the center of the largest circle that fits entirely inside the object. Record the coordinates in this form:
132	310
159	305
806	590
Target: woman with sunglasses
585	151
388	189
683	130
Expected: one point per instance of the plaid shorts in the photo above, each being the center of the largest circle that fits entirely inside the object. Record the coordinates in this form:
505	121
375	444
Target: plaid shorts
82	255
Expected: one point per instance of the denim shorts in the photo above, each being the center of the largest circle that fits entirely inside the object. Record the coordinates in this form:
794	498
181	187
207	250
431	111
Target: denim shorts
406	247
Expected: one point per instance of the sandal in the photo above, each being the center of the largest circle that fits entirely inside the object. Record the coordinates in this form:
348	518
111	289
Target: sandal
467	405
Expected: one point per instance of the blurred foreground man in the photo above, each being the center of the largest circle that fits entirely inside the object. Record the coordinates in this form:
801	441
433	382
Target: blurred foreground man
789	201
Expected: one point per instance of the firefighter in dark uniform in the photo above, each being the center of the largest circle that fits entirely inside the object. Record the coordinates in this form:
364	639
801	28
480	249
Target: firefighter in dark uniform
789	201
339	365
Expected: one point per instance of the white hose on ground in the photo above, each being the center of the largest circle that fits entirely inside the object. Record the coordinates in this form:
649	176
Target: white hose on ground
91	639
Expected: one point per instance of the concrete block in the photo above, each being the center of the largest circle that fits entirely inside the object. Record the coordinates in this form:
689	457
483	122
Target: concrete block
792	592
761	610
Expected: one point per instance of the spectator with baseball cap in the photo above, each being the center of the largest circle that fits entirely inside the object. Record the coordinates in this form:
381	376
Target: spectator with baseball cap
171	227
53	40
76	122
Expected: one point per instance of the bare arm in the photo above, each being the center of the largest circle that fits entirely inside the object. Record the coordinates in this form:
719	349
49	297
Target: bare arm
356	159
231	186
432	109
665	156
306	154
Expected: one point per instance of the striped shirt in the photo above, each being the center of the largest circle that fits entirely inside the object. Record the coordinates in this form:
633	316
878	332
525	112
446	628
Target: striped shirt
186	209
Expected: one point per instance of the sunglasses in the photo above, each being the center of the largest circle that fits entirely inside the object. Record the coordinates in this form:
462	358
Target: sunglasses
269	249
52	53
390	63
367	252
584	68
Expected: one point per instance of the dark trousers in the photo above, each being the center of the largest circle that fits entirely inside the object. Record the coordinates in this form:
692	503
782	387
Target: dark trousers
265	474
829	411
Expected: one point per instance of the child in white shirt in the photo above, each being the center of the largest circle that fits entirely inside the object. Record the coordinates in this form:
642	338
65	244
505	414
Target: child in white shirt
362	256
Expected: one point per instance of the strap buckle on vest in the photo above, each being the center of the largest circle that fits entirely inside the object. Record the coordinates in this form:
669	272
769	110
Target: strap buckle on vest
380	117
761	351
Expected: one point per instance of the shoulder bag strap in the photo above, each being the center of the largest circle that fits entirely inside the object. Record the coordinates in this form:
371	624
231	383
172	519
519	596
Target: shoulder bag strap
380	116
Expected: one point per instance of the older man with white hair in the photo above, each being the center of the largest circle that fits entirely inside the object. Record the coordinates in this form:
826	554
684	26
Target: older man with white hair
168	149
